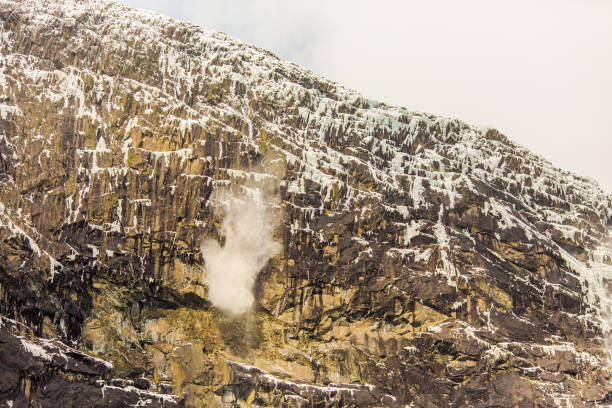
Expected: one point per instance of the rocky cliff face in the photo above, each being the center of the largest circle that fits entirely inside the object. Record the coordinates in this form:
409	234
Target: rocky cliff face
48	373
424	262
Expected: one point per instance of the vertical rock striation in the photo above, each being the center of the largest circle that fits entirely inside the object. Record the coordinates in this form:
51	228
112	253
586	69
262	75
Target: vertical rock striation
424	261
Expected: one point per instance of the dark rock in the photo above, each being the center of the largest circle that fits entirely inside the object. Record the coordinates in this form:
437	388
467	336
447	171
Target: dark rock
424	261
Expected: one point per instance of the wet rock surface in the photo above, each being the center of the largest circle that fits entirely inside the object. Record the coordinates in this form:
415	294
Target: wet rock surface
425	261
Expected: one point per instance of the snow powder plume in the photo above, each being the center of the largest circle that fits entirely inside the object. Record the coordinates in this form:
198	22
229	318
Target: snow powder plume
248	244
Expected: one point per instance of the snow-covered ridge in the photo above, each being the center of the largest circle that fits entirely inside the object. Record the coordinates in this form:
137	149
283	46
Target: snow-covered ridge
139	117
385	144
326	133
186	60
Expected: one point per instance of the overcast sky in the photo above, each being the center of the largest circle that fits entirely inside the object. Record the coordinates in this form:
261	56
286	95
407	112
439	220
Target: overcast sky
539	71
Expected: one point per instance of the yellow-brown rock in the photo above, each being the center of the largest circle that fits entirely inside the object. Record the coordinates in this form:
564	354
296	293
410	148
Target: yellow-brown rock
424	261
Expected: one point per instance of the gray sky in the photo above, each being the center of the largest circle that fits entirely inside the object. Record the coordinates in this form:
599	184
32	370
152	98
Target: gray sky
539	71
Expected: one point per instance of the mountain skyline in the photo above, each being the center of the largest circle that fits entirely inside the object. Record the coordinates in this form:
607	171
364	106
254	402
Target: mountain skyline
187	220
539	72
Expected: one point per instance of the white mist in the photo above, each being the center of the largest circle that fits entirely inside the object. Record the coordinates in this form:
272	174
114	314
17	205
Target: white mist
247	229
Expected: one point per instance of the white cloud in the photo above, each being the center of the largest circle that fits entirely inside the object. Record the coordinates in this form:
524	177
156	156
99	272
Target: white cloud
538	71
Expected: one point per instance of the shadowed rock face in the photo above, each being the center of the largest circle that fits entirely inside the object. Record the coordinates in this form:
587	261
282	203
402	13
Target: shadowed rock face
424	261
47	373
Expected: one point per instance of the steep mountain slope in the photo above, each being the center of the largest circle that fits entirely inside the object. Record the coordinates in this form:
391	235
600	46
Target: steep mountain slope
51	374
424	261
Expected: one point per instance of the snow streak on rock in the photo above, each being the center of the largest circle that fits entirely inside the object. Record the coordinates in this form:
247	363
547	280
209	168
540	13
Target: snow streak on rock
414	239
